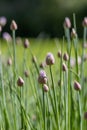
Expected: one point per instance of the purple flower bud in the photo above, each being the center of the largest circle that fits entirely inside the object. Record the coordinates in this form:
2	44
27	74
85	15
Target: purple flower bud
13	25
64	67
84	23
20	82
6	36
42	65
45	88
85	115
26	73
59	54
77	86
65	57
34	59
50	59
0	28
42	78
9	62
26	43
3	21
67	23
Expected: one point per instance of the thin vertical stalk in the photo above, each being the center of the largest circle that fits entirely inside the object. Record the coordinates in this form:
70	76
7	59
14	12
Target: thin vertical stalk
55	101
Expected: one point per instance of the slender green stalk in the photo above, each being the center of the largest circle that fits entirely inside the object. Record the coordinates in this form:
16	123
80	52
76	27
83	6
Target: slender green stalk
55	101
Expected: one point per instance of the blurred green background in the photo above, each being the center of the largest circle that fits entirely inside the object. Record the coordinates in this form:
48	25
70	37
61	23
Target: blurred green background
43	18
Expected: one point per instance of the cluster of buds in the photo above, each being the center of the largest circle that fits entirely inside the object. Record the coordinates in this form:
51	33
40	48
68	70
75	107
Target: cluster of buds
26	43
77	86
20	82
50	59
67	23
42	79
13	25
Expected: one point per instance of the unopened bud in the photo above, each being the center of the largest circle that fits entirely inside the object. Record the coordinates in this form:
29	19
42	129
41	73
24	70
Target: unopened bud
85	115
26	73
77	86
45	88
13	25
66	57
42	78
84	23
64	67
59	54
26	43
20	82
50	59
73	33
67	23
9	62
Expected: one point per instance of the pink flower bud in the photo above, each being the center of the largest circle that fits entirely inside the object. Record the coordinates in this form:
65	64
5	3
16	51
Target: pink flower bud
84	23
26	43
65	57
13	25
20	82
42	78
64	67
3	21
85	115
67	23
50	59
77	86
6	36
26	73
45	88
59	54
42	65
9	62
34	59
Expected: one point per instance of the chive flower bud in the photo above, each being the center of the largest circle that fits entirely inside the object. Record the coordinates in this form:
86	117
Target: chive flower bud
66	57
26	43
73	33
9	62
13	25
45	88
84	23
67	23
26	73
64	67
59	54
50	59
42	78
20	82
85	115
77	86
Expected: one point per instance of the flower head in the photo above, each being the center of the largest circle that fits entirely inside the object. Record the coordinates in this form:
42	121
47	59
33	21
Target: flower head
3	21
13	25
73	33
66	57
50	59
26	43
84	23
9	62
6	36
67	23
42	78
20	82
77	86
45	88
